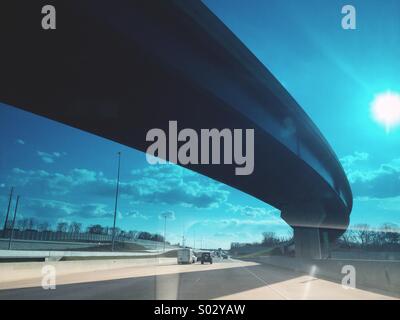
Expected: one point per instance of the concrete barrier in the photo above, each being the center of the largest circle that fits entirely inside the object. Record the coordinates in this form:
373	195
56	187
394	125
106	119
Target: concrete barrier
365	255
18	244
56	255
10	272
371	274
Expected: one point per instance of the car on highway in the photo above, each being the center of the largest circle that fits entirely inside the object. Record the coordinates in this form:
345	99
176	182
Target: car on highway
206	257
224	256
186	255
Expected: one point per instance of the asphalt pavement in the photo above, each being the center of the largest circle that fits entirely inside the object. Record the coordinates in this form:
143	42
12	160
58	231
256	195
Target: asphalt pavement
224	279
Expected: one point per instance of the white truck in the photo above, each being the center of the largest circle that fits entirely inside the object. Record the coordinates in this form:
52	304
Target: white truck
186	256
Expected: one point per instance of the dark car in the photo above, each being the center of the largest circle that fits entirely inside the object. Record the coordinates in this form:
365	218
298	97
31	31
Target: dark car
206	257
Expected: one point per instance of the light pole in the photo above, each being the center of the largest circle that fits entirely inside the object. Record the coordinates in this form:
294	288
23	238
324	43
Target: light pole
13	224
194	239
8	208
165	229
116	202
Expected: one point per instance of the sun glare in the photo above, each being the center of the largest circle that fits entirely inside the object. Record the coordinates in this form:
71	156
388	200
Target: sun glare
386	109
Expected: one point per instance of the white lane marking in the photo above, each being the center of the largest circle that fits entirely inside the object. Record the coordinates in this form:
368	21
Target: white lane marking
266	283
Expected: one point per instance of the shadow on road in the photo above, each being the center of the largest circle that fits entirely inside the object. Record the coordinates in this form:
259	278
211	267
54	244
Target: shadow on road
207	284
220	280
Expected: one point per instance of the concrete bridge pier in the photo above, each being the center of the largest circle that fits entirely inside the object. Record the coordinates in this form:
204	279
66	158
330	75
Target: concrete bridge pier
310	240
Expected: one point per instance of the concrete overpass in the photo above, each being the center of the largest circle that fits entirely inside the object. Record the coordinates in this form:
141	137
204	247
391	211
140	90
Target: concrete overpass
119	70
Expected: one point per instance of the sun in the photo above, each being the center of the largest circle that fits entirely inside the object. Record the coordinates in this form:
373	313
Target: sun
386	109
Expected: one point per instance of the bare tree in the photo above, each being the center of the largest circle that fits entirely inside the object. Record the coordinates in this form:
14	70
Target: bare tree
44	226
118	232
270	239
31	225
132	234
95	229
390	233
62	227
22	223
349	238
26	224
290	235
364	234
75	227
145	235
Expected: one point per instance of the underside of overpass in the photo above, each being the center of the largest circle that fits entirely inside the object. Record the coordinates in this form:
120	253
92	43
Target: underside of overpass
120	71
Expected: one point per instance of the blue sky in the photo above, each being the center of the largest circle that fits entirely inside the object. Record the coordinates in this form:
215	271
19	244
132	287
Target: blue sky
75	181
333	73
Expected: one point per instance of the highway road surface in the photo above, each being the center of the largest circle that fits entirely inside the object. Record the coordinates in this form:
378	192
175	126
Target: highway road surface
224	279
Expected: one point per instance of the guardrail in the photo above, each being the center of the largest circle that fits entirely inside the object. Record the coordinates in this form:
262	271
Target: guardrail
57	236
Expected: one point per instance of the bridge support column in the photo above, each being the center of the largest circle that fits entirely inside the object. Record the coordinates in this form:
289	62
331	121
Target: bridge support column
310	240
307	242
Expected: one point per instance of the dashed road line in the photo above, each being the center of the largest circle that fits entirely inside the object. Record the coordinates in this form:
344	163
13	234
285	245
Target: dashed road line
266	283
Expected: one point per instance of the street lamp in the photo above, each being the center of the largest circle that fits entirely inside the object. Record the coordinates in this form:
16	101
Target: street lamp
13	224
116	202
165	229
8	208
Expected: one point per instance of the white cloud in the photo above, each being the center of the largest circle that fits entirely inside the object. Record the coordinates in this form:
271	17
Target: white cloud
253	212
134	214
349	160
20	141
53	209
233	223
379	182
163	185
386	204
50	157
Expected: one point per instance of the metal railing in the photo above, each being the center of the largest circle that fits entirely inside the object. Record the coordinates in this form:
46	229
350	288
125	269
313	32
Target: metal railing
58	236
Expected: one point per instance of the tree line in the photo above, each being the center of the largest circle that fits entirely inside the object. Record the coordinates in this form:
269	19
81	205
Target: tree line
269	239
359	236
363	236
34	225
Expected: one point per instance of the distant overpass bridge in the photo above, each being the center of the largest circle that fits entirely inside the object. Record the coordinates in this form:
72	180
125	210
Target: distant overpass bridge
119	70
